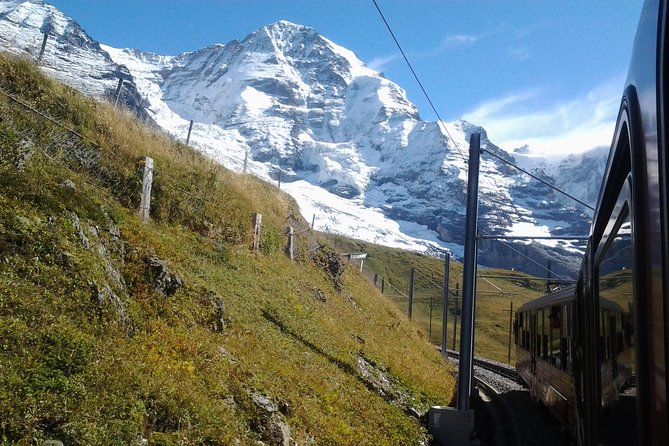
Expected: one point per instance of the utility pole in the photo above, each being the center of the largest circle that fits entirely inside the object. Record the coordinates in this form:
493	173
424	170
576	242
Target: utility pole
411	291
444	318
448	425
469	277
510	329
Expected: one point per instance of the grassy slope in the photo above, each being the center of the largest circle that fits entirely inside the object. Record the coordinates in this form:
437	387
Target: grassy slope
85	369
493	298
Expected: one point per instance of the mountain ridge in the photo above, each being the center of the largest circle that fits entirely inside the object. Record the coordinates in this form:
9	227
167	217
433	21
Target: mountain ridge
298	107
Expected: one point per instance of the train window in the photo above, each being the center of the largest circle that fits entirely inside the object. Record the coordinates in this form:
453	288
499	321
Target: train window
565	341
540	330
615	337
526	336
545	332
555	324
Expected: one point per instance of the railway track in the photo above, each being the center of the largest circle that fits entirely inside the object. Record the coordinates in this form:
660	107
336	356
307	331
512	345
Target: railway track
506	415
504	370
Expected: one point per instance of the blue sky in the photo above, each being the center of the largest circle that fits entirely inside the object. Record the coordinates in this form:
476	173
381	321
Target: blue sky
548	73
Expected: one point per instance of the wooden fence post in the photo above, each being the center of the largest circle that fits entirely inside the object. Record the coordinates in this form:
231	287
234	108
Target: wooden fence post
147	181
190	128
257	228
291	243
41	51
118	90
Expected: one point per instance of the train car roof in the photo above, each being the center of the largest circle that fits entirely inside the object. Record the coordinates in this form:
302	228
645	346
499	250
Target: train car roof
565	295
557	297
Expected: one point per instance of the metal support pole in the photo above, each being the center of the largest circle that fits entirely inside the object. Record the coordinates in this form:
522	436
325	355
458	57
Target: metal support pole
190	128
444	318
469	277
376	278
510	328
383	283
313	222
455	321
430	329
411	292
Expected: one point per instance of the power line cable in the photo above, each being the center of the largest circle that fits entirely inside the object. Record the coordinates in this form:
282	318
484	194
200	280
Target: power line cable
420	84
527	257
539	179
457	147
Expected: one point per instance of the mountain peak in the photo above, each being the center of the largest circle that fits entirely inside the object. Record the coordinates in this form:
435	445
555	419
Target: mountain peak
286	36
285	25
287	101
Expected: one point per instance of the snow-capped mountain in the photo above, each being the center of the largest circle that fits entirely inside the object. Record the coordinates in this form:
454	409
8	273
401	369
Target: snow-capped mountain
344	140
70	54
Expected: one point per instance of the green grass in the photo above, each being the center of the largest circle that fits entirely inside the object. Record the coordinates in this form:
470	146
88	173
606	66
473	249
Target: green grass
494	295
92	353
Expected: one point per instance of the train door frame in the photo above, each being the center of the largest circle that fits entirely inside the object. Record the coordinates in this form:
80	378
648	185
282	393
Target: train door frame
622	210
533	342
615	186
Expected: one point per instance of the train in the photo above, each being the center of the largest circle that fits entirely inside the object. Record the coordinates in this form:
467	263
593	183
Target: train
597	353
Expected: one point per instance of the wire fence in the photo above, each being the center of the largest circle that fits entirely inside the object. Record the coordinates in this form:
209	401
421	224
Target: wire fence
30	132
427	303
33	135
36	128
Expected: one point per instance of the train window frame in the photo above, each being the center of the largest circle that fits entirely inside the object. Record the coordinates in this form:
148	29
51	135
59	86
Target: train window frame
621	213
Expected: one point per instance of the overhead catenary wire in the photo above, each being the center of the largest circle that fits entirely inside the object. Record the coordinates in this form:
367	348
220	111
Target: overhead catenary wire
413	72
420	84
526	257
539	179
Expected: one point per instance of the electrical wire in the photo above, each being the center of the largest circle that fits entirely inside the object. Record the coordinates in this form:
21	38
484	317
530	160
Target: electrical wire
441	122
526	257
420	84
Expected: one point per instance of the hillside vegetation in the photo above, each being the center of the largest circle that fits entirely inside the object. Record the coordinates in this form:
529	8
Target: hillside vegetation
176	332
493	302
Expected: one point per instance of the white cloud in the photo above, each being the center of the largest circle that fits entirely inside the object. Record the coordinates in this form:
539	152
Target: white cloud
380	63
519	53
574	125
458	40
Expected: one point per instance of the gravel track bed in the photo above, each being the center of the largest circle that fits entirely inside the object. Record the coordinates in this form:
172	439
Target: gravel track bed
534	424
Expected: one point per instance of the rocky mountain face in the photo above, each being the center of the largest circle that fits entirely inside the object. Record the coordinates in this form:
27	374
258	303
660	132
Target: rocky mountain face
289	105
70	54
